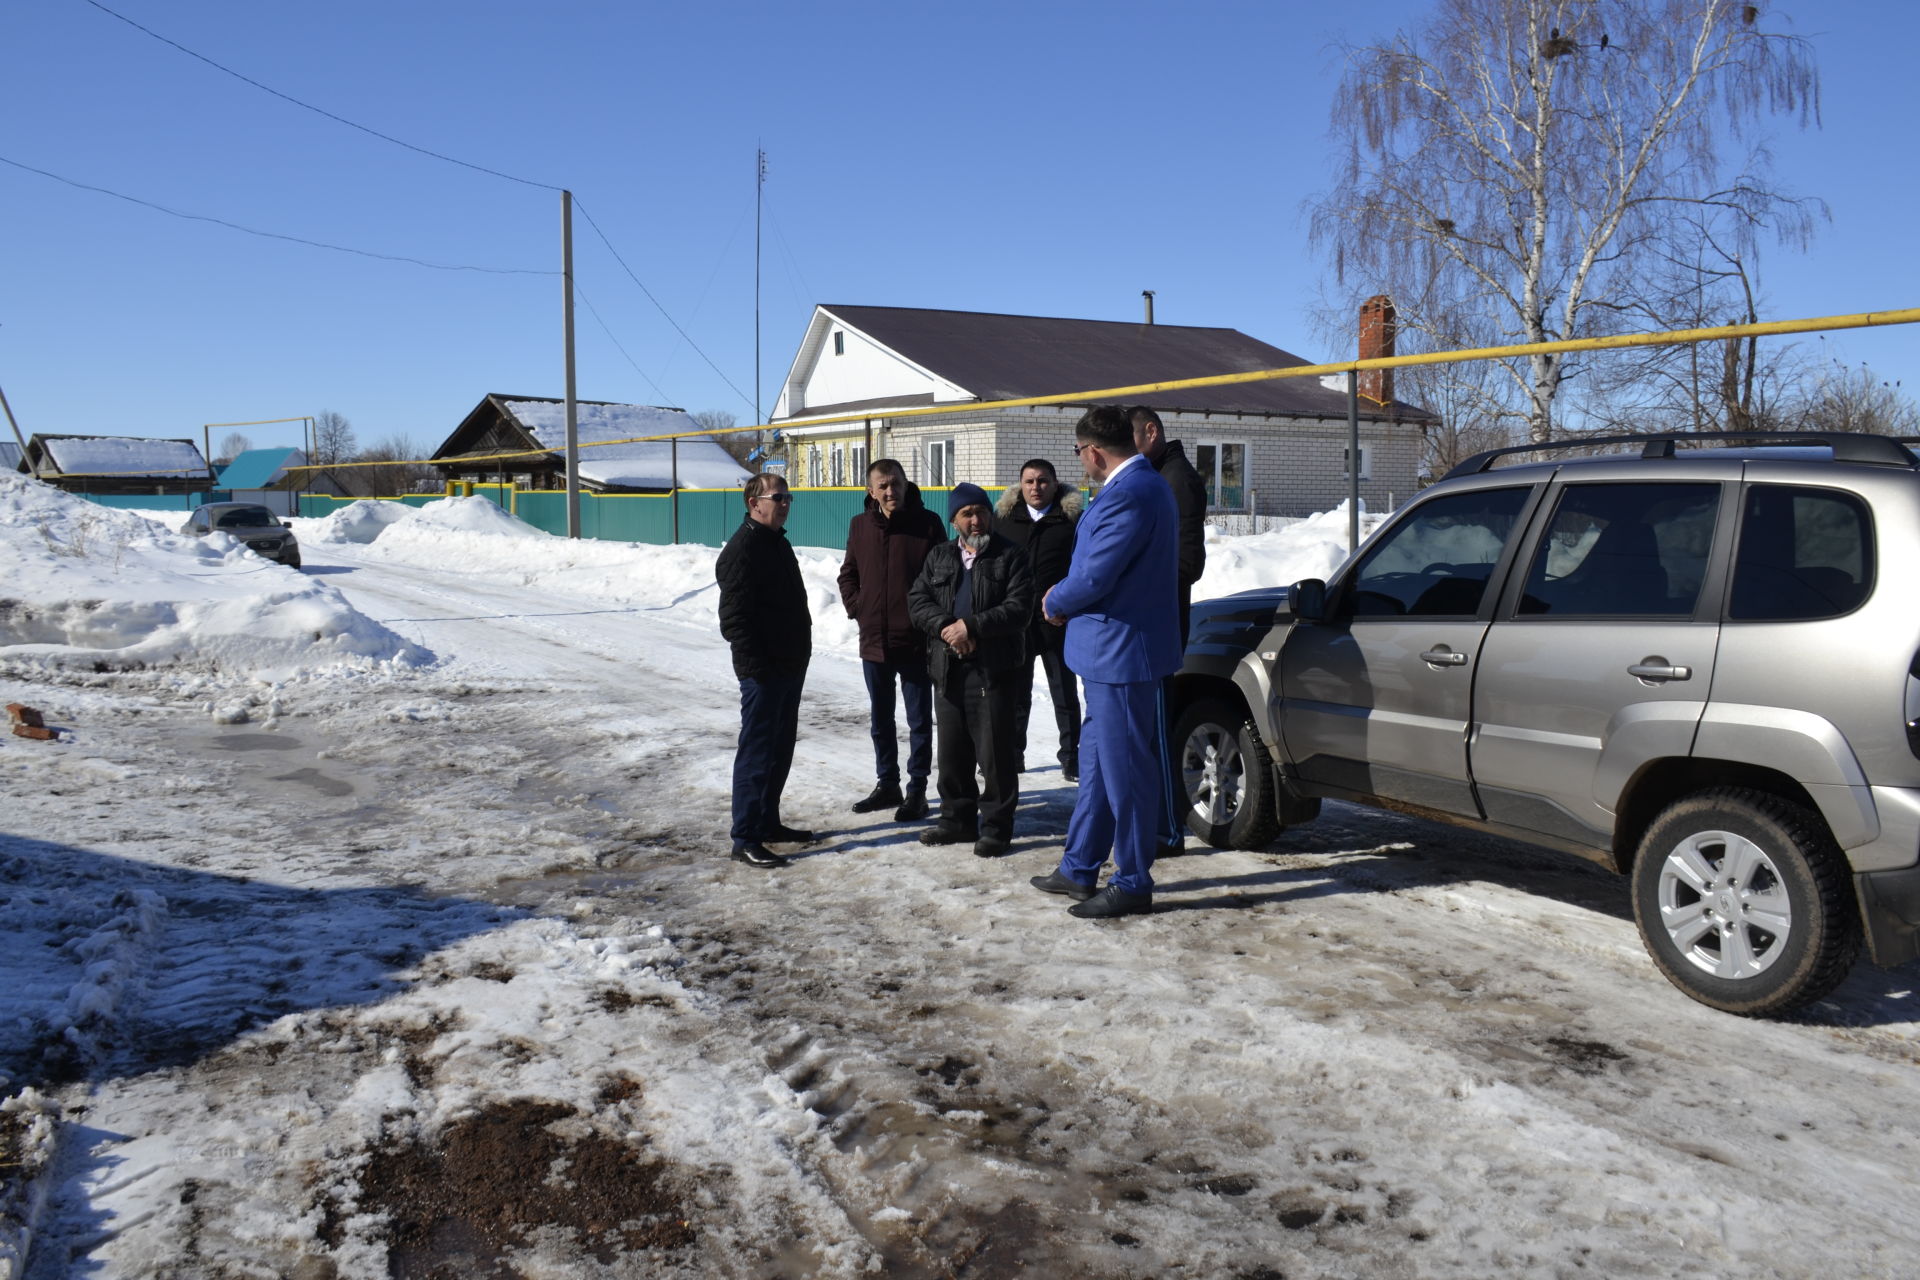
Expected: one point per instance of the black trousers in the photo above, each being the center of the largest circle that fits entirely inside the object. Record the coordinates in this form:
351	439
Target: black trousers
769	726
975	734
1065	688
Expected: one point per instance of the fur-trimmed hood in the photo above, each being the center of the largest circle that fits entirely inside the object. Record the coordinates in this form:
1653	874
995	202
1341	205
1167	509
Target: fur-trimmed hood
1071	500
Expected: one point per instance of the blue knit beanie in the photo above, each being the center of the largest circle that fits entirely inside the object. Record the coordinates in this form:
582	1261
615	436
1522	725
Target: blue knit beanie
965	495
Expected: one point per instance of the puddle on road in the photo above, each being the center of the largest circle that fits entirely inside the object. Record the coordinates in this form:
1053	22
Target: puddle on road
319	781
334	780
256	742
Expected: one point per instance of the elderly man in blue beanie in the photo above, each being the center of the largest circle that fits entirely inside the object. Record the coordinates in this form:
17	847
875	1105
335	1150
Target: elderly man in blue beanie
974	600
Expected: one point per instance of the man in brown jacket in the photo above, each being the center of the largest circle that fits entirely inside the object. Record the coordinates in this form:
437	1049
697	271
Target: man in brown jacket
886	545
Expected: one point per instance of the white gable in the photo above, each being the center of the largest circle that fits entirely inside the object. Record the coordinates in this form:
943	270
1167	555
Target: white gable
837	364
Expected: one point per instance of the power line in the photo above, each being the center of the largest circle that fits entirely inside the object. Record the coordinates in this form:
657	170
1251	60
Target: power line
425	151
591	310
287	97
275	235
656	302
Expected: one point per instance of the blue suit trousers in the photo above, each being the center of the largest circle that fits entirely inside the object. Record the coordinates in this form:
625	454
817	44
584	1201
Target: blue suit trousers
1122	784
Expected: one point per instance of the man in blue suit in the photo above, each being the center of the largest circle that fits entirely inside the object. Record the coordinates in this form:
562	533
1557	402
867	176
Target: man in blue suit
1120	604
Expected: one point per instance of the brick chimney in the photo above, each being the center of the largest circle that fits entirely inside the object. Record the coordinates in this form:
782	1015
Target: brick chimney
1376	342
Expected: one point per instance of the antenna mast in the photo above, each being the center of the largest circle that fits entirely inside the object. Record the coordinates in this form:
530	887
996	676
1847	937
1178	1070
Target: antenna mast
759	190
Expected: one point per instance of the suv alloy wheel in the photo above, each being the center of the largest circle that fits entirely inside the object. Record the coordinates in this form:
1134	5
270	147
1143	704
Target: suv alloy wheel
1226	775
1743	900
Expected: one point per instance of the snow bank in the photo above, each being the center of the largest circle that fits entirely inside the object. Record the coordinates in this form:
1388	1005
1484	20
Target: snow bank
1311	548
89	585
355	522
474	536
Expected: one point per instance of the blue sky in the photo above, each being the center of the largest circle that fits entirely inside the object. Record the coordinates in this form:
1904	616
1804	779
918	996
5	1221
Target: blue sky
1043	158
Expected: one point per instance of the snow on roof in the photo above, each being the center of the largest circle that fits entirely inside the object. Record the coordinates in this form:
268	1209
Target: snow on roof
123	456
9	457
703	463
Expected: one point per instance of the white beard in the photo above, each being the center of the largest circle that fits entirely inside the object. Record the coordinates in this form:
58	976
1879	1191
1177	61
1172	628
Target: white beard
975	541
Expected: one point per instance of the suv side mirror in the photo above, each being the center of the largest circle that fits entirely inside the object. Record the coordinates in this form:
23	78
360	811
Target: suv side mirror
1307	599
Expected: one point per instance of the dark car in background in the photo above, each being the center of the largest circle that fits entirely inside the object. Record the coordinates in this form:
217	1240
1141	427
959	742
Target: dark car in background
247	522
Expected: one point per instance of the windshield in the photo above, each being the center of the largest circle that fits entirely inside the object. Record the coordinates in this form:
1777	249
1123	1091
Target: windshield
246	518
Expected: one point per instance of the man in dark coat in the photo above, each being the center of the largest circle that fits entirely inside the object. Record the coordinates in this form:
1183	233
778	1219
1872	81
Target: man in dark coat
974	599
1190	498
764	616
886	545
1038	514
1169	458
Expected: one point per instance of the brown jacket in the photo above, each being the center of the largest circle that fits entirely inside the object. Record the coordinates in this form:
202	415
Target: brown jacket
884	556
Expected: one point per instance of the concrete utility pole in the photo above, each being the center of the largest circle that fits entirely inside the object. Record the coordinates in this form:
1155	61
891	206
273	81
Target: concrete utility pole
15	425
573	407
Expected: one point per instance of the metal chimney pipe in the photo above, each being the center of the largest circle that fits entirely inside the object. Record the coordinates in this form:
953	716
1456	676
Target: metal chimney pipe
1148	295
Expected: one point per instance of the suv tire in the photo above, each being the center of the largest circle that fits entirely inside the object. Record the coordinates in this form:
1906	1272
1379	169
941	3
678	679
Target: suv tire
1225	776
1742	900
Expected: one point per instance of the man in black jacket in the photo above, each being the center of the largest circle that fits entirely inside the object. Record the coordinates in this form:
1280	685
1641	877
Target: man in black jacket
1169	458
1190	496
1038	514
974	600
886	545
764	616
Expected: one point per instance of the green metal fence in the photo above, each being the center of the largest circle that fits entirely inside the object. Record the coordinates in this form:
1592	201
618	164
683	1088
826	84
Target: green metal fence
152	501
707	516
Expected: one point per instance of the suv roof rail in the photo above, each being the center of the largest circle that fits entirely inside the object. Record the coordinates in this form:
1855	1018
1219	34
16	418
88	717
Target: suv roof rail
1847	446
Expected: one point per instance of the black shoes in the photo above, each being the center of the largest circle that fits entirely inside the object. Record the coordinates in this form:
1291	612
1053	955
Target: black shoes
990	847
941	833
885	796
913	807
784	834
1175	850
755	854
1054	882
1110	902
1070	768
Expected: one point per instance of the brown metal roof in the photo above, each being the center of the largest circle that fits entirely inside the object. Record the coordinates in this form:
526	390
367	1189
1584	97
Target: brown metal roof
1001	357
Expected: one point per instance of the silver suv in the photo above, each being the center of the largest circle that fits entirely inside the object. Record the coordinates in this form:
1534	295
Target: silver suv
1696	664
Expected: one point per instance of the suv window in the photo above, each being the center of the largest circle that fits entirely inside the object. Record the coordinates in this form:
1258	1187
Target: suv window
1804	553
1623	550
1437	560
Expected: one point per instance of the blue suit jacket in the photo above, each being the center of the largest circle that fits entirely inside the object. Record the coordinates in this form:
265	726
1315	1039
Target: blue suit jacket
1122	590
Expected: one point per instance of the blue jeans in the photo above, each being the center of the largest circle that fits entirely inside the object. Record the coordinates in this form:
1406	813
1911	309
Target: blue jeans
769	725
916	689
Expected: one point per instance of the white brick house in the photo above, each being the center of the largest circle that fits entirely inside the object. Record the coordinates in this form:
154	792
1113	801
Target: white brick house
1270	448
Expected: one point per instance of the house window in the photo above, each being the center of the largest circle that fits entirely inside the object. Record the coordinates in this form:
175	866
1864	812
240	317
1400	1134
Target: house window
839	465
1366	461
939	464
813	466
1222	464
859	464
839	343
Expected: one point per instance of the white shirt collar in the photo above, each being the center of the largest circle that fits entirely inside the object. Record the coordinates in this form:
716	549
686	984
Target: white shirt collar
1038	513
1138	457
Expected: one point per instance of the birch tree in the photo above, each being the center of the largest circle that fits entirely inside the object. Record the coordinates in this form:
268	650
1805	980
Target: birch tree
1528	170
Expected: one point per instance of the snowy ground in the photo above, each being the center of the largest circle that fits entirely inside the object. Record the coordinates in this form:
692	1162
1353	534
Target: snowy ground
375	920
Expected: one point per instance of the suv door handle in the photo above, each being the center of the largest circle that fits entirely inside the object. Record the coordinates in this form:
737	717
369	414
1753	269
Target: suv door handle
1657	669
1441	656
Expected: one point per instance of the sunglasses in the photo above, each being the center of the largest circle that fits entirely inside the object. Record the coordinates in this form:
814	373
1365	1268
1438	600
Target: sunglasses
1078	447
782	498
